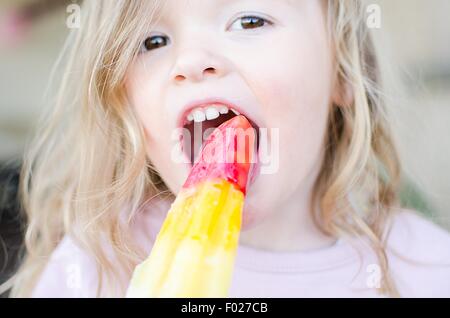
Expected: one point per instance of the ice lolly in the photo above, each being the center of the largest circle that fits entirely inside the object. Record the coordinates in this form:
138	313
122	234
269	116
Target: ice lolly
194	252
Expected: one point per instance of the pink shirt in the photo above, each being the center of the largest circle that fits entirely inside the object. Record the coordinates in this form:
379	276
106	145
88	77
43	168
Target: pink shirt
336	271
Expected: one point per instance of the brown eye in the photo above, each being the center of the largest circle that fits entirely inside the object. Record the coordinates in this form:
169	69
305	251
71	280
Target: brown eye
250	22
153	42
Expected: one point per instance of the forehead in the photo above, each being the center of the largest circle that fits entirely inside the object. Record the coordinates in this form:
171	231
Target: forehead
168	9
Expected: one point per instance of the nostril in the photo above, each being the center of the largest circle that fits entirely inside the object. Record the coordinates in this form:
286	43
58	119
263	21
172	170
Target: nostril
179	78
210	70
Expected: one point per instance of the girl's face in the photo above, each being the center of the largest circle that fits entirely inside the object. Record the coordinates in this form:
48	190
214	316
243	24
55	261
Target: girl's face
271	58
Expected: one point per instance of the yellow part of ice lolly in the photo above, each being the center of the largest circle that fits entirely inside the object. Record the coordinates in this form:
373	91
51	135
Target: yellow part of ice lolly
194	253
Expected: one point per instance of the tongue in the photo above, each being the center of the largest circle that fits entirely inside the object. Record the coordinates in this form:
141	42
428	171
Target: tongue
227	154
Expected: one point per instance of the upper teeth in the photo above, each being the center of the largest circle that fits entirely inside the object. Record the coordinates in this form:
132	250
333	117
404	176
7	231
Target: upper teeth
209	112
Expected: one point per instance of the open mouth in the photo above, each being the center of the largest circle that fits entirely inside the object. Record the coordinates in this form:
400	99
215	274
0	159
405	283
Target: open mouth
201	122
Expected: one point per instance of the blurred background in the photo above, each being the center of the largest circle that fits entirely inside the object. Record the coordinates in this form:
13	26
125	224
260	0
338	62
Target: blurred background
416	39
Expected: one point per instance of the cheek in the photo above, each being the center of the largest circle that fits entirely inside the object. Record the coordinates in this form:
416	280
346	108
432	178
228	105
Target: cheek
144	97
296	86
147	105
146	92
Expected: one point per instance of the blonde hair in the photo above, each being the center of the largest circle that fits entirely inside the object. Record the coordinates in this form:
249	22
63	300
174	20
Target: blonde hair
69	187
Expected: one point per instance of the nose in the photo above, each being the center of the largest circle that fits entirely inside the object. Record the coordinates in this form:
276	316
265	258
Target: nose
196	65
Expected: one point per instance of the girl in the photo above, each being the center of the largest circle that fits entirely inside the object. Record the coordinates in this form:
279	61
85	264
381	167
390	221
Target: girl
98	180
